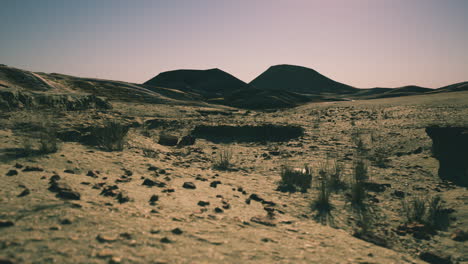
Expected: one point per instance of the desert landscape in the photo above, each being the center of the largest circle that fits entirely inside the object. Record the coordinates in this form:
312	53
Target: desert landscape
174	174
247	131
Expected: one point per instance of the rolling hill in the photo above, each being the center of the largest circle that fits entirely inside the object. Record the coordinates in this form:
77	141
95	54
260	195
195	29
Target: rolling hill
299	79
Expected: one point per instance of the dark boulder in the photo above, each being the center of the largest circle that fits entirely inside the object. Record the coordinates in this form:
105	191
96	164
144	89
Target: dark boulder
450	148
168	140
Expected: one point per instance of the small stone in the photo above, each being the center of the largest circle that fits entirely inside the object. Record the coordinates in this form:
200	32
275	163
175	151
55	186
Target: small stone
152	168
110	190
263	220
189	185
255	197
214	184
18	166
65	221
126	235
170	190
69	195
165	240
12	173
203	203
154	198
54	178
399	194
218	210
92	174
122	197
177	231
24	192
32	168
151	183
69	171
106	239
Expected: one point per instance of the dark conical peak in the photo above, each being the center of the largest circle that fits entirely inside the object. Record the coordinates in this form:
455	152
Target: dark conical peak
298	79
209	82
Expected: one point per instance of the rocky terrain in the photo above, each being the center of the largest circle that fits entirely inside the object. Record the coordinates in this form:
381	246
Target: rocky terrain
159	178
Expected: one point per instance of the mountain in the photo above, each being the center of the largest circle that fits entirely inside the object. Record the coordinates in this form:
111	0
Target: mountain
210	83
299	79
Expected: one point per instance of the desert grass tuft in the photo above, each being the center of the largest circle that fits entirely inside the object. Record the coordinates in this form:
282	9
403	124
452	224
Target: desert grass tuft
293	179
112	136
223	160
357	189
427	211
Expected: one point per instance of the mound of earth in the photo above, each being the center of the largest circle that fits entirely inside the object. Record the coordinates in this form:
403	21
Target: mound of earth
299	79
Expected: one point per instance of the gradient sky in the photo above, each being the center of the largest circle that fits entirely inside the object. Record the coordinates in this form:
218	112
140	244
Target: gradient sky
363	43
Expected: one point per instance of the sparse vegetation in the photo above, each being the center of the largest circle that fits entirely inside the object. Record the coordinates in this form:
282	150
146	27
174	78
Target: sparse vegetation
429	212
48	141
223	160
322	203
380	156
357	189
112	136
295	178
336	176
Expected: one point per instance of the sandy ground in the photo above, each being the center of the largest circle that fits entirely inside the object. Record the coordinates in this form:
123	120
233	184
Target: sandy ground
39	227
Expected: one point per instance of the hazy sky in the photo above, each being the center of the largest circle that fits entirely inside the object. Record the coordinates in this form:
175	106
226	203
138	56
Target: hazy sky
363	43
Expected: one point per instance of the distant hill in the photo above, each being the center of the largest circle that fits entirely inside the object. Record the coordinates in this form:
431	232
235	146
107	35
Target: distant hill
299	79
209	83
53	83
457	87
281	86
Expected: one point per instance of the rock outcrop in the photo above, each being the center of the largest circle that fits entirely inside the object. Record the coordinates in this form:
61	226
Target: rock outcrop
450	148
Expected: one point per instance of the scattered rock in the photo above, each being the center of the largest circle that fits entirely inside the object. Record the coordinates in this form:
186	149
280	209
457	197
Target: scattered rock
62	189
151	183
12	173
218	210
177	231
170	190
65	221
203	203
263	220
255	197
435	257
189	185
165	240
24	192
168	140
214	184
32	168
122	197
69	195
106	238
154	198
6	223
110	190
459	235
399	194
93	174
186	141
18	166
69	171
